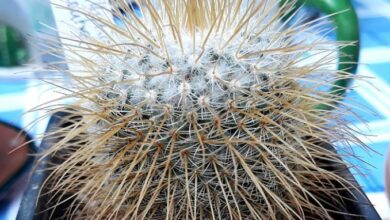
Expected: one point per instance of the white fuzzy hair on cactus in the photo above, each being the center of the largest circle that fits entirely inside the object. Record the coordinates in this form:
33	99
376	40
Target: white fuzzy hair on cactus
198	110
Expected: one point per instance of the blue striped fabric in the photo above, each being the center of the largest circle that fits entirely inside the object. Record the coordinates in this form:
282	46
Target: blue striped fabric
374	20
10	93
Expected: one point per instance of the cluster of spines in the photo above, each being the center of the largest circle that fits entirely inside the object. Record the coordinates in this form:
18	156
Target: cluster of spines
202	117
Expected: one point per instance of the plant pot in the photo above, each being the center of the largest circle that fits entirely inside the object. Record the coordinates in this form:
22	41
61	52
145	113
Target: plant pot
34	206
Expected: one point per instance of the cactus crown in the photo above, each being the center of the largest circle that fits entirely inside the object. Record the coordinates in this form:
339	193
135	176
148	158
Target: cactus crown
201	110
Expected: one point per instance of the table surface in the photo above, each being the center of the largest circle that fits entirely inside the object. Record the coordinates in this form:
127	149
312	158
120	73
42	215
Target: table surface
17	96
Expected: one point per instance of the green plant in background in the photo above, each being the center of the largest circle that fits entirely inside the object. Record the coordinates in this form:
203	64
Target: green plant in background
200	110
13	51
347	30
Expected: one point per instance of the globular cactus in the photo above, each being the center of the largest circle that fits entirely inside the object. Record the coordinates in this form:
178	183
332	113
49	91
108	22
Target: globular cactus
200	110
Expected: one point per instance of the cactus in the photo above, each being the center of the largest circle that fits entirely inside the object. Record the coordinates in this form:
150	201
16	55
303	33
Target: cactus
200	110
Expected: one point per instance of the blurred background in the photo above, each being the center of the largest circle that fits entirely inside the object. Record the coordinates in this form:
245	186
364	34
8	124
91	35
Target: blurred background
22	22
